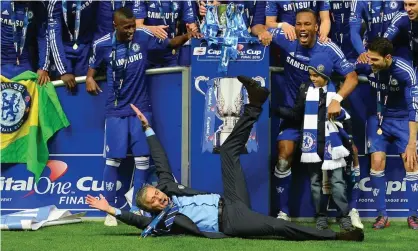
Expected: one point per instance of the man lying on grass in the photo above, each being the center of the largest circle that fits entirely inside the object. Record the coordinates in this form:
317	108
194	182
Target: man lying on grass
179	209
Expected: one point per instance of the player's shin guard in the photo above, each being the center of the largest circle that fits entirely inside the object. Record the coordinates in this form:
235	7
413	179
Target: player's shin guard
110	178
411	179
354	188
282	189
378	181
140	176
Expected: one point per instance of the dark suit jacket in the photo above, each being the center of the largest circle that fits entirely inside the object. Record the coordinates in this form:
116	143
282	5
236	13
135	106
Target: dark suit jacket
182	224
296	114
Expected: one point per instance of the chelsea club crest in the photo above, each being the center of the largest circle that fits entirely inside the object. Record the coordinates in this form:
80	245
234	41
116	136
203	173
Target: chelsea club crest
393	4
135	47
309	142
15	105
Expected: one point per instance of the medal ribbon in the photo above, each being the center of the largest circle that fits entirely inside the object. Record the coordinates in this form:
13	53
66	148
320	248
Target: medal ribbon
77	19
381	104
116	87
19	43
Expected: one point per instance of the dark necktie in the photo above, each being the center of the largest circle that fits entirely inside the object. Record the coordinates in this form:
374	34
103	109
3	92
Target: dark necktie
322	97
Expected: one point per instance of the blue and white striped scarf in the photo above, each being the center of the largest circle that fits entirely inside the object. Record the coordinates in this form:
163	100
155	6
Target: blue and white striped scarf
334	152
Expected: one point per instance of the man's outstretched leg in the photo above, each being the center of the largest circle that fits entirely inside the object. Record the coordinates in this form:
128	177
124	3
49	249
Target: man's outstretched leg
235	188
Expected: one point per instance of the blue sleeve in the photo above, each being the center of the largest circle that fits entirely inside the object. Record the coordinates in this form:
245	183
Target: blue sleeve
97	56
140	9
117	212
259	16
188	14
55	36
324	5
398	22
42	35
272	9
409	75
355	25
154	43
341	64
149	132
279	38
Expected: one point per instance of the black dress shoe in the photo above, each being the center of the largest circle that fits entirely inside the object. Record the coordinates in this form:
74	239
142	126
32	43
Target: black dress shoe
257	95
356	234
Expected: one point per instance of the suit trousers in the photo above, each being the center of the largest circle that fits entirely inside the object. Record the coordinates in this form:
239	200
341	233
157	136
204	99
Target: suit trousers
237	218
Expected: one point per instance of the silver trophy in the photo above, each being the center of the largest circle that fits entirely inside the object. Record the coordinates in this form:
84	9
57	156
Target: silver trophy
229	100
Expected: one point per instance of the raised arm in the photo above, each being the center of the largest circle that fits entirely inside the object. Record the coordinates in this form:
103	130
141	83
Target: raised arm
132	219
355	26
158	154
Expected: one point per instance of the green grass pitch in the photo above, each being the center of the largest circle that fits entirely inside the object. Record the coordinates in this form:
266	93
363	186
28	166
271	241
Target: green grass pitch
92	235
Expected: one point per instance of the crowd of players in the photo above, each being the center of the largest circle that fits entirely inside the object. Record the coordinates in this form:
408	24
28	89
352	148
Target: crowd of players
64	39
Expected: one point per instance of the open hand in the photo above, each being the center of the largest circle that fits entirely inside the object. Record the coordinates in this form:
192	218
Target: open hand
265	37
410	157
140	116
101	204
159	31
289	31
43	77
363	58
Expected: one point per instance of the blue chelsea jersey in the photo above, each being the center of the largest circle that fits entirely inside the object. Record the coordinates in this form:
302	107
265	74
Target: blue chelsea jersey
134	89
376	14
286	10
406	30
297	60
340	28
399	83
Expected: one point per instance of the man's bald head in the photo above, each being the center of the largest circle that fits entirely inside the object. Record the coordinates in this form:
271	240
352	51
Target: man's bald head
308	12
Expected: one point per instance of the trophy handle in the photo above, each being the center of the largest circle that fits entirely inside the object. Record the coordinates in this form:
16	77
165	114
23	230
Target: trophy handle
197	81
261	80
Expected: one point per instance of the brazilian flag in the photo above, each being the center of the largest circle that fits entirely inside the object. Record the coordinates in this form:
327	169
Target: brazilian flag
30	115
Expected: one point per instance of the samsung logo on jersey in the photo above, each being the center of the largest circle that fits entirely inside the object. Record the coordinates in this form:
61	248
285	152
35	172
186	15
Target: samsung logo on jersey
131	59
157	15
296	64
6	21
298	5
393	87
386	17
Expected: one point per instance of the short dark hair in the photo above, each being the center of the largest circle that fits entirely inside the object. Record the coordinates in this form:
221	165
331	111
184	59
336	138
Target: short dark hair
306	10
123	12
382	46
140	198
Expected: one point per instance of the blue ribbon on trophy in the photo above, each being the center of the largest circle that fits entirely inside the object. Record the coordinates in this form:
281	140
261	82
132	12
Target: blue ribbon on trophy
210	27
230	45
226	27
224	99
242	29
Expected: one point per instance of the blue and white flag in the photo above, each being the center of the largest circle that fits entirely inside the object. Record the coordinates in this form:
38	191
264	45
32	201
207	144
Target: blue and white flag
33	219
